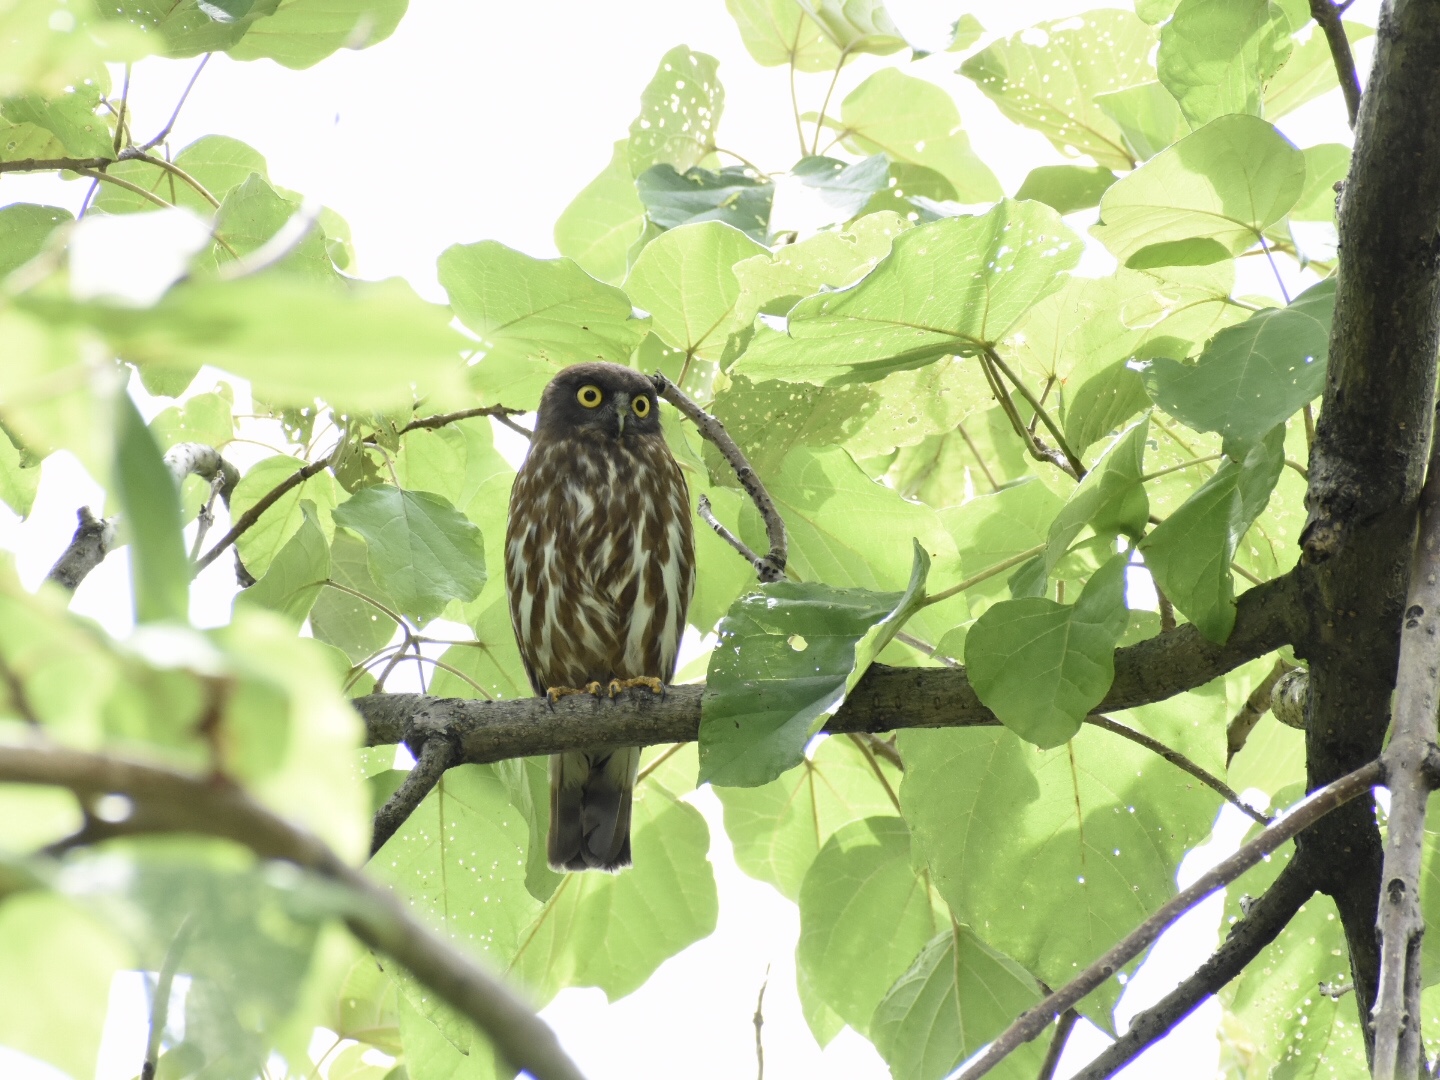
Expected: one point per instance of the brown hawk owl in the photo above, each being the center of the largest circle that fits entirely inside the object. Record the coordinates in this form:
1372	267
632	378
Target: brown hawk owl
600	568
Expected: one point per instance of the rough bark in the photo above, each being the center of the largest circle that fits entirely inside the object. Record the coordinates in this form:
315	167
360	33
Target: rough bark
1366	466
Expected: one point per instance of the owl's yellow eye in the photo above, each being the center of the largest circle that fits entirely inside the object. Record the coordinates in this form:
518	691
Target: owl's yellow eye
641	405
589	396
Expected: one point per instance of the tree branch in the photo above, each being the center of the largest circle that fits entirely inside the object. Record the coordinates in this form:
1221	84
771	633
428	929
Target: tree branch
1063	1027
1327	16
251	516
772	566
1036	1019
1417	697
435	756
885	699
88	548
1364	488
439	420
1261	925
166	801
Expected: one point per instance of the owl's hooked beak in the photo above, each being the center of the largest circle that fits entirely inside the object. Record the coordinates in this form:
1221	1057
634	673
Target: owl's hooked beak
622	409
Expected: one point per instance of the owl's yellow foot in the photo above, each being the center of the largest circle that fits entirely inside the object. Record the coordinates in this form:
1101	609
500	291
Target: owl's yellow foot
618	686
555	693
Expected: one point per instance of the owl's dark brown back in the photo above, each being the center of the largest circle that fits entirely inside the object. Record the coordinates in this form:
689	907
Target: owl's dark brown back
599	568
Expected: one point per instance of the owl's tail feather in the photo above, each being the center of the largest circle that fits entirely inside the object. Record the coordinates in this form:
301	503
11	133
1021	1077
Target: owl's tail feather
590	795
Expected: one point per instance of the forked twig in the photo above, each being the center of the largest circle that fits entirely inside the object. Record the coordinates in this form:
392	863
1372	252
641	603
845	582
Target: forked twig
769	567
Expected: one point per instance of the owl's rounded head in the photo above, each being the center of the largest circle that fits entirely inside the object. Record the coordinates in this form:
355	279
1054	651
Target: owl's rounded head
606	398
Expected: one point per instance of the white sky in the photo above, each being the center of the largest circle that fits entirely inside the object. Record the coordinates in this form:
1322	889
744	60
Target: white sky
481	121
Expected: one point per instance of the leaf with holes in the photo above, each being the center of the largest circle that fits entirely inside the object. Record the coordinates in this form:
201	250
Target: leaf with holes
787	656
945	289
679	112
1047	78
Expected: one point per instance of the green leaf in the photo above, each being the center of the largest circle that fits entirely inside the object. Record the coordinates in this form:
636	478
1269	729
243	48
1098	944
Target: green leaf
846	188
1110	499
780	32
424	551
915	122
992	528
251	214
186	28
1056	853
600	224
911	192
856	26
777	829
473	890
1196	251
159	566
301	33
1325	166
1189	553
773	283
957	995
294	339
944	289
1227	182
679	112
1148	117
1253	376
1066	188
262	542
788	655
1041	666
1047	77
59	963
296	575
864	914
964	33
684	279
731	195
534	317
25	229
71	117
1309	72
768	419
614	930
205	418
433	1053
345	621
1217	55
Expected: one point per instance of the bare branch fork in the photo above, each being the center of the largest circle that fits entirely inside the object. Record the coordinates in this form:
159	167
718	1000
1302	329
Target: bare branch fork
770	567
1401	923
1035	1020
169	802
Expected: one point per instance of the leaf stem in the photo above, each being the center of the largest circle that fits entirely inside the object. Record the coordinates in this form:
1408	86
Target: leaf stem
983	575
825	105
1076	468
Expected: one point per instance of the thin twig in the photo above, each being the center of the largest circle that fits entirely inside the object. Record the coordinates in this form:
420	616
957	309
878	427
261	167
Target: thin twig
825	105
979	458
1256	706
1036	449
795	100
770	567
1063	1027
166	801
206	517
19	699
924	647
134	189
1327	15
1273	268
251	516
439	420
864	747
129	154
1401	923
759	1021
436	755
120	115
707	515
1076	468
165	131
160	1003
1304	814
1180	761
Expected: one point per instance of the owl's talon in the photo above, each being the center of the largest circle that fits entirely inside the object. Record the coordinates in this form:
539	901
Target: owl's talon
555	693
656	686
